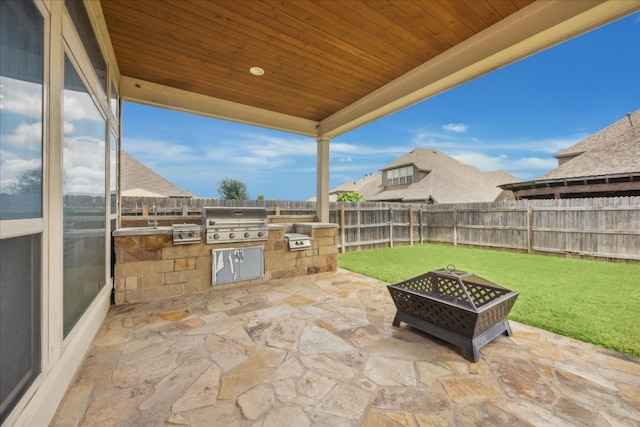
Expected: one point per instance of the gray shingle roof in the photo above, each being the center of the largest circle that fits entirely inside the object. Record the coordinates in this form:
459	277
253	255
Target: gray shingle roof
447	181
367	186
614	132
612	151
138	179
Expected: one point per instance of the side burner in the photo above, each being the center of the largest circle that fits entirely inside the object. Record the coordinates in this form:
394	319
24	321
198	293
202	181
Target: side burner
297	241
185	233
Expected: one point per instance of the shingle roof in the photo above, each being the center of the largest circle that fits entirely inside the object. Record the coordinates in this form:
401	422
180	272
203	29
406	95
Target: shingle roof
140	192
367	186
447	181
136	179
614	132
612	151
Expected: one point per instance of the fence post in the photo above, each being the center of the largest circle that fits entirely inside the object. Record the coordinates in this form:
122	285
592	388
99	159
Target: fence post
529	228
455	227
410	225
359	224
390	227
342	234
421	225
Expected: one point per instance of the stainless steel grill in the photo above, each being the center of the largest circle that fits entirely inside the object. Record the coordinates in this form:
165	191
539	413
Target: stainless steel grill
235	224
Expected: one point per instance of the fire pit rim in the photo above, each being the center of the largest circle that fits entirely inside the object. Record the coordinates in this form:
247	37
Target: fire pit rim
483	307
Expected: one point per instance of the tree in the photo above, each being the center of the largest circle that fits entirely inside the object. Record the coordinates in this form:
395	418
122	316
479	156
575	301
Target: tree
260	197
29	182
351	197
232	189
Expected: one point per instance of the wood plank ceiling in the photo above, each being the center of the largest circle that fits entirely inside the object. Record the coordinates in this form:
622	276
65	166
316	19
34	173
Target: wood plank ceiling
318	56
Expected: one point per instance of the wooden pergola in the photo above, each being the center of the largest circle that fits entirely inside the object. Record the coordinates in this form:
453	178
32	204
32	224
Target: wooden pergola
325	67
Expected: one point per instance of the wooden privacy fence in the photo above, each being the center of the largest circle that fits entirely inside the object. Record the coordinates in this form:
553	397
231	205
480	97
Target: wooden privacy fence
595	227
598	227
135	206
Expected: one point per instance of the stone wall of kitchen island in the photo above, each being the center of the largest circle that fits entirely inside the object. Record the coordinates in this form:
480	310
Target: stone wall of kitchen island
150	266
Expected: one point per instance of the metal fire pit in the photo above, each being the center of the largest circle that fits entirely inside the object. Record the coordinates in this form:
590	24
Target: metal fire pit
456	306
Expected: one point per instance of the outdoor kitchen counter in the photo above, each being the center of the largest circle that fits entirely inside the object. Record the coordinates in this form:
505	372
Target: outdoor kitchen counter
148	265
142	231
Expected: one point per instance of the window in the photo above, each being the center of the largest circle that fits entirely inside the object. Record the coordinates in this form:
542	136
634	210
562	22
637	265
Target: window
113	174
84	188
113	101
21	142
82	23
19	317
21	86
400	176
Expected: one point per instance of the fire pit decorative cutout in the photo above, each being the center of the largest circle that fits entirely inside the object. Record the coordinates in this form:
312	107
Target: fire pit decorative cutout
456	306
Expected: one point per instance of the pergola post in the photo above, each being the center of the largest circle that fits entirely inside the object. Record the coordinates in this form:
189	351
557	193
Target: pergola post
322	179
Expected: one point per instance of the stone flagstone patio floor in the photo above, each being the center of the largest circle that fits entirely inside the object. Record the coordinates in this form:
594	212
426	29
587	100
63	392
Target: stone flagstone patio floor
320	351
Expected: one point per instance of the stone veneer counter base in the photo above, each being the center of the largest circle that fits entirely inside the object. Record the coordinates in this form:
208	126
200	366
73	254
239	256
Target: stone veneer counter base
149	266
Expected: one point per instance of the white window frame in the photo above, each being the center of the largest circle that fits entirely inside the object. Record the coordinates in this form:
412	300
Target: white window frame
400	176
74	50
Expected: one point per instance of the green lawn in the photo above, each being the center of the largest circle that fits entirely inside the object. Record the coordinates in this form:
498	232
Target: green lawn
593	301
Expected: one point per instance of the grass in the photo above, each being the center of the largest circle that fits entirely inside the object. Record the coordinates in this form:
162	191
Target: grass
593	301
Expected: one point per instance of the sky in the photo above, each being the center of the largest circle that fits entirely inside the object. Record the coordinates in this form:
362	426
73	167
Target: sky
513	119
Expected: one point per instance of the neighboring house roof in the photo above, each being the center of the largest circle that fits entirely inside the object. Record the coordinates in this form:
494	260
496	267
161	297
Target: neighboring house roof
609	158
136	179
621	156
447	180
367	186
140	192
617	131
613	150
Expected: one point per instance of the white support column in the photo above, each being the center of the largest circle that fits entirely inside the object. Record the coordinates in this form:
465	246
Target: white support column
322	179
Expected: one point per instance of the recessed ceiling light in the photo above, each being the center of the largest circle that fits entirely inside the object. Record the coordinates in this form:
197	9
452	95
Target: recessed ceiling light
256	71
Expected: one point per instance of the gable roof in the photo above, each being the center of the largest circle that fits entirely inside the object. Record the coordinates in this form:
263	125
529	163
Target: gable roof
611	151
136	179
447	181
606	163
621	130
367	186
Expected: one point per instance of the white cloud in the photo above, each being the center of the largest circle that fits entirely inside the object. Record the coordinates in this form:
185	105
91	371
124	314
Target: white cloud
21	97
482	161
261	162
26	136
12	166
83	165
80	106
553	145
521	166
346	148
449	143
428	139
158	149
68	128
455	127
